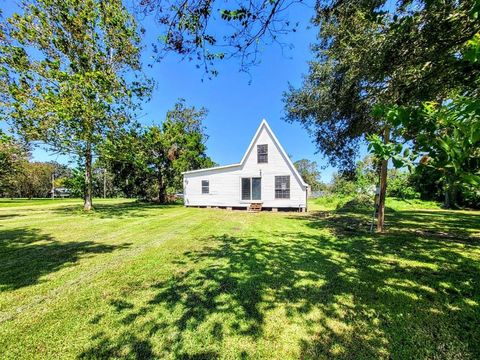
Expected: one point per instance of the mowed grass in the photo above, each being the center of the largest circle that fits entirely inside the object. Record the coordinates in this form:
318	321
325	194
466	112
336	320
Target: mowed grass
143	281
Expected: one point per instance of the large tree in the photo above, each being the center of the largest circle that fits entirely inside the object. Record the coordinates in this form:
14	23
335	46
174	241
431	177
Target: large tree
370	53
35	180
373	52
149	161
72	74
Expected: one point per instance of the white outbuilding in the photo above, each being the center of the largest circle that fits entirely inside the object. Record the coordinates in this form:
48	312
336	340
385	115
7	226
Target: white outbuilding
265	178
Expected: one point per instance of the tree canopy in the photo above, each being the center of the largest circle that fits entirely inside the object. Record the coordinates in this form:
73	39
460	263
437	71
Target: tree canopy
309	171
70	72
147	162
373	52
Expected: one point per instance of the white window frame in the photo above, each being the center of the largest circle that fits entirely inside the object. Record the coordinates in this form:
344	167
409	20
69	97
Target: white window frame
275	187
207	187
263	154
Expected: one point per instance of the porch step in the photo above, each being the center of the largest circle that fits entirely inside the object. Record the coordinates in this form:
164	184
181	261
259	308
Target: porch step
255	207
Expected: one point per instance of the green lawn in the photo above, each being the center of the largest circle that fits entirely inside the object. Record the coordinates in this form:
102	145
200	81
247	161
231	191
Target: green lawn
143	281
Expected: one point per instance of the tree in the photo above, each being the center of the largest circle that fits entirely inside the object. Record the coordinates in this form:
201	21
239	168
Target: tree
447	135
367	56
72	74
13	156
35	180
76	182
148	161
343	185
366	174
309	172
370	54
448	140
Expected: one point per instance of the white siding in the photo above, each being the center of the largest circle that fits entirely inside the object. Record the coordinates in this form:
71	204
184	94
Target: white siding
225	183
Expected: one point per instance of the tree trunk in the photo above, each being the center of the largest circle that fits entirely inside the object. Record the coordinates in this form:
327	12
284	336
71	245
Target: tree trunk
53	185
383	186
87	205
105	183
450	194
161	190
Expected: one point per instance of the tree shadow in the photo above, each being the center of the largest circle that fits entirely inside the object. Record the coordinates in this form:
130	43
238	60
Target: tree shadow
123	210
356	295
9	216
440	223
26	255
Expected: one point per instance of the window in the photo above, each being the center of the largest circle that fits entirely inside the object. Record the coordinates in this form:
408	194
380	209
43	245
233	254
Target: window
251	188
262	153
282	187
205	187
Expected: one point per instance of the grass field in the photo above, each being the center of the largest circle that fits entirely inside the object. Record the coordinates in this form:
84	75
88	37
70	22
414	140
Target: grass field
144	281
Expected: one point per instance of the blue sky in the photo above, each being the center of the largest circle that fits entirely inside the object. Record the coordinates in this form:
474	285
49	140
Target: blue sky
236	101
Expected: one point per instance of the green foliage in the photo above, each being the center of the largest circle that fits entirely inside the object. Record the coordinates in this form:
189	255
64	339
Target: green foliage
368	55
366	175
342	186
76	183
12	158
35	180
389	151
400	186
451	143
310	173
64	66
357	204
146	162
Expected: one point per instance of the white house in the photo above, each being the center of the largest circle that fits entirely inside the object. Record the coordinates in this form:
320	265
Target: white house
265	178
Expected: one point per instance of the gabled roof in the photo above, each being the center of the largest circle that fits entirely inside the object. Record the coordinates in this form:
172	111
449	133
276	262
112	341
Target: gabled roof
254	139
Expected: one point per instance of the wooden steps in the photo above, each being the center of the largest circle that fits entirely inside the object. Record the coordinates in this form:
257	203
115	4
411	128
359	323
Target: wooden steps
255	207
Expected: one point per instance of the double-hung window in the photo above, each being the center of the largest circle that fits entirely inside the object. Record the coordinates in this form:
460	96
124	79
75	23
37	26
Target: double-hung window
282	187
262	154
252	188
205	187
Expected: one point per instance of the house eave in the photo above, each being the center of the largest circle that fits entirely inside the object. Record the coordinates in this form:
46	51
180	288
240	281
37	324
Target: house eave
211	169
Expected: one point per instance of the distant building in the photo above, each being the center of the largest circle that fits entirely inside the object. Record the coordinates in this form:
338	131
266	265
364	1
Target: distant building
61	192
264	179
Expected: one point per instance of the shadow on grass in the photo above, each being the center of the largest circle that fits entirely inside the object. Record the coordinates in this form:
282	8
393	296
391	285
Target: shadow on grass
26	255
438	224
356	296
122	210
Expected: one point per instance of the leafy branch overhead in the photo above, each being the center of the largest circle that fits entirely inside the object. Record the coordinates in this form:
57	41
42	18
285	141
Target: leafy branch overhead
205	30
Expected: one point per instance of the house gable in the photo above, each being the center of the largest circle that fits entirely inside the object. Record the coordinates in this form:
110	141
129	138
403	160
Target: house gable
276	154
264	133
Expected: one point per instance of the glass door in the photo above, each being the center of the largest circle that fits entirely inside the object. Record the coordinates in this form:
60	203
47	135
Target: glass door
256	188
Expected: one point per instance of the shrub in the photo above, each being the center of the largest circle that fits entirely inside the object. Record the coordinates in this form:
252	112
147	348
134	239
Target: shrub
359	203
399	186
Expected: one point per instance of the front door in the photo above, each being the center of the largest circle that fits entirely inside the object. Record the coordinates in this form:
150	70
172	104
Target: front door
256	188
252	188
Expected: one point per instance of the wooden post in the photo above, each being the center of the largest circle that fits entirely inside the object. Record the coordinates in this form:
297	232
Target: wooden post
53	184
104	183
383	186
87	205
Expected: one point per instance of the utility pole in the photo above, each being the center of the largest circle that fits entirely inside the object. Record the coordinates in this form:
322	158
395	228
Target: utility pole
104	183
53	184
